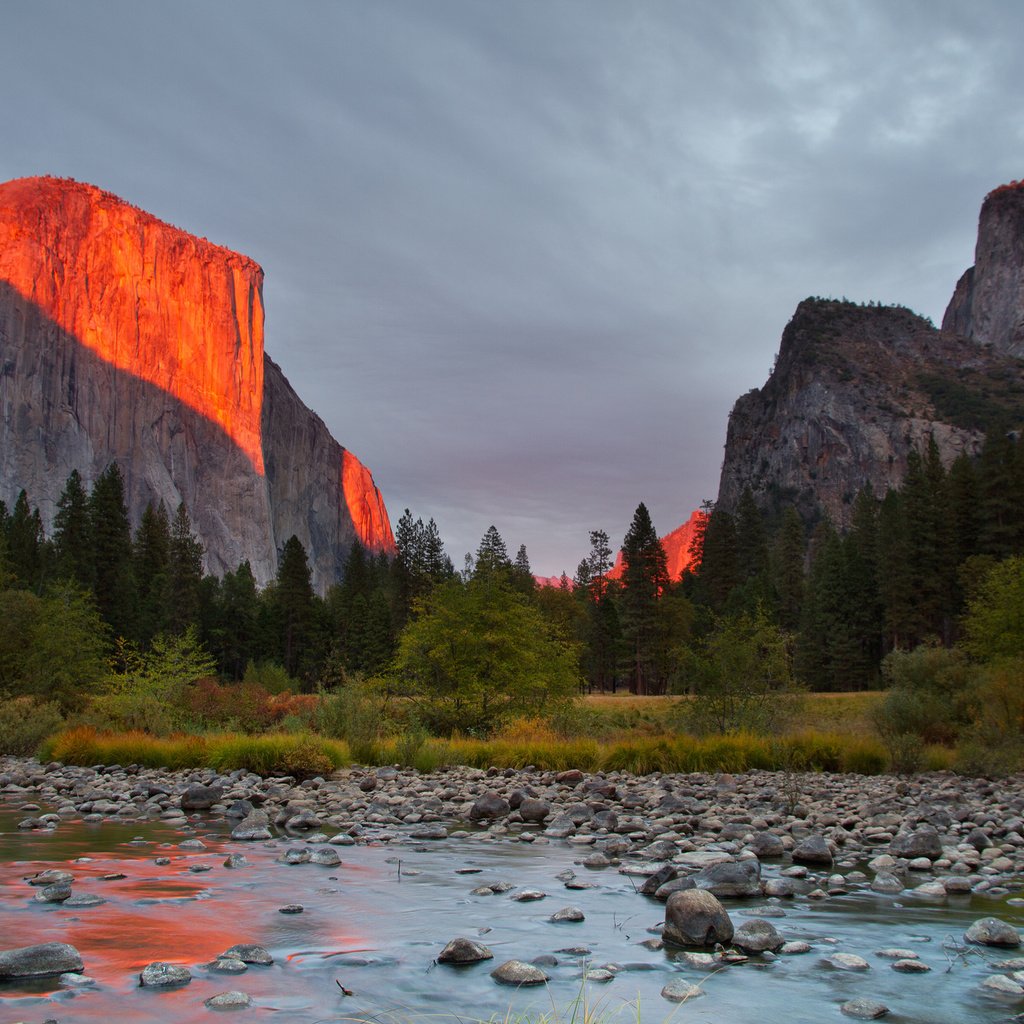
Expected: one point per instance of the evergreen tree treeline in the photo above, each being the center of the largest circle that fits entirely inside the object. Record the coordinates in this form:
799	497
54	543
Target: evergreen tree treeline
900	575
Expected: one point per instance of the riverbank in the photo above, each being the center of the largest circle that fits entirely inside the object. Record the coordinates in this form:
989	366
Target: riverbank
977	823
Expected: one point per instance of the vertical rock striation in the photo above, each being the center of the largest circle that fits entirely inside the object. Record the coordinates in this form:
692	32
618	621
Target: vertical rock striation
124	338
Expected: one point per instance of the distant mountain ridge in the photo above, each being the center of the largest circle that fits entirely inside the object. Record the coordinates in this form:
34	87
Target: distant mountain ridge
857	387
124	338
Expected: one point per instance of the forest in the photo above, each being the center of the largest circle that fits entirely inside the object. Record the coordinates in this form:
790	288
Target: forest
120	628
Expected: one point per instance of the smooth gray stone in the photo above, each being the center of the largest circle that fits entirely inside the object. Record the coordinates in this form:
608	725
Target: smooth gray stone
40	961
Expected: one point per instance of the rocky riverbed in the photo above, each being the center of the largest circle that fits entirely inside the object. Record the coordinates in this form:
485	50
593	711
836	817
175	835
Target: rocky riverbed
730	857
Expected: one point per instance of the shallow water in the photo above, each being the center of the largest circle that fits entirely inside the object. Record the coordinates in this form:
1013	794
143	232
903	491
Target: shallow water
376	923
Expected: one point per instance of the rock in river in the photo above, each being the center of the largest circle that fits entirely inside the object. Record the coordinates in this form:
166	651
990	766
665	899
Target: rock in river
991	931
39	961
694	917
464	951
515	972
757	935
163	975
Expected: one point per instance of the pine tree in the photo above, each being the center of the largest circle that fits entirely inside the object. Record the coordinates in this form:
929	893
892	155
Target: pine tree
185	567
1000	504
787	570
644	579
522	574
24	543
112	551
293	597
238	615
719	568
895	586
72	542
751	539
151	569
492	559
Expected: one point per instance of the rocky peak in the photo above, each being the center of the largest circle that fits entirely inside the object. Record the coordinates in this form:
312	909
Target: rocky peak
854	390
988	303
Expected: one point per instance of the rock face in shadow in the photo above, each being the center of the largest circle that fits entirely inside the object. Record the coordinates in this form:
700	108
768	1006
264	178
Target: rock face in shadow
856	388
123	338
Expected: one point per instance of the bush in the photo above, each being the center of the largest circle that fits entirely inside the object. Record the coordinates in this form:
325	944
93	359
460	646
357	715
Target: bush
742	678
357	713
25	722
929	696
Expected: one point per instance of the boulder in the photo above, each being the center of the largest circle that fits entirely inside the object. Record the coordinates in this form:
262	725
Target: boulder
758	935
41	961
163	975
490	805
534	810
515	972
812	850
991	931
924	842
253	827
696	918
733	879
200	798
464	951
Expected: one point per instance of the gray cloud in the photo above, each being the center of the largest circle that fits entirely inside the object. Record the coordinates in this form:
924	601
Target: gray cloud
523	257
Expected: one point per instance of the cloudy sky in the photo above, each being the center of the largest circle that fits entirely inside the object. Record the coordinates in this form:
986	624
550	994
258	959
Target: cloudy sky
522	256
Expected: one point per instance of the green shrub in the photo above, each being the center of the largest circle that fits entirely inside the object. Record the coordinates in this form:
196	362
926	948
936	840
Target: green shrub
25	722
269	676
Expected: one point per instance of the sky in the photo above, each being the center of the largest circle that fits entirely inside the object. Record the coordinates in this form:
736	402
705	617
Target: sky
523	256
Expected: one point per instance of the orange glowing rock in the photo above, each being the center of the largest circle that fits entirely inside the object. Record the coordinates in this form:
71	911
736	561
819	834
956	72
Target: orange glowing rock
677	548
365	506
172	309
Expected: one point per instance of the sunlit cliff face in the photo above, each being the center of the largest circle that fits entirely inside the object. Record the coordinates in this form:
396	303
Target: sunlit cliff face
184	316
365	506
174	310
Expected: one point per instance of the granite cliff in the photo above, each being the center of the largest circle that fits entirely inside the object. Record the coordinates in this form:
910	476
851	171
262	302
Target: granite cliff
856	387
124	338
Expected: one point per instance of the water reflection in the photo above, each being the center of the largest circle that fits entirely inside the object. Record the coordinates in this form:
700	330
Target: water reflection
373	927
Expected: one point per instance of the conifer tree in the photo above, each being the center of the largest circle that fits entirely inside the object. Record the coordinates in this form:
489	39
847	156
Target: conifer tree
719	570
644	579
112	551
522	574
72	543
238	621
492	559
24	543
787	561
185	568
151	567
895	586
294	600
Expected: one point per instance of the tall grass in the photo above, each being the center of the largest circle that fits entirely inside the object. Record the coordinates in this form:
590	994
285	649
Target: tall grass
300	754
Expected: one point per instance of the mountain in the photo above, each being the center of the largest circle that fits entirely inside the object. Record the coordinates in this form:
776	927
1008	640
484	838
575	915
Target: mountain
124	338
856	387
